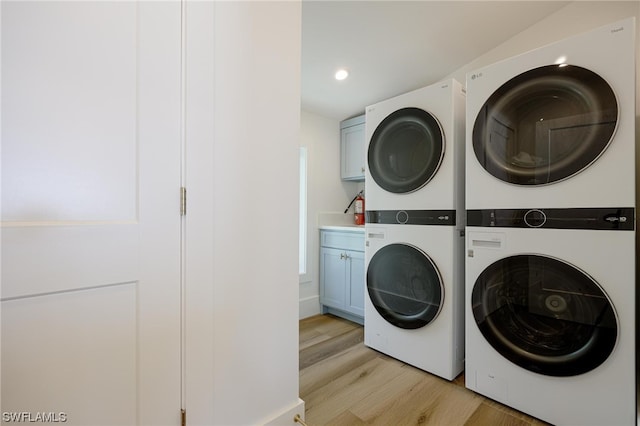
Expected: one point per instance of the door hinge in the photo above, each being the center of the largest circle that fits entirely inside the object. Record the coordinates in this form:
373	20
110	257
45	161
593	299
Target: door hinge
183	417
183	201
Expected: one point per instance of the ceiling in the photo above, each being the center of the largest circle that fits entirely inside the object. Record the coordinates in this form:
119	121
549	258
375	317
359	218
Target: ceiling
392	47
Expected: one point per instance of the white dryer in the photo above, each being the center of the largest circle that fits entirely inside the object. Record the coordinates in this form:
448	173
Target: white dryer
544	126
550	313
415	150
414	301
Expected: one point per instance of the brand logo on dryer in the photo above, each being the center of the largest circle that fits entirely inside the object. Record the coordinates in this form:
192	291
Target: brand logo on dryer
613	219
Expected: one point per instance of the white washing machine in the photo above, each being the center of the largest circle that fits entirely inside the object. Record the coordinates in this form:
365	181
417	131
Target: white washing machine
545	125
550	313
414	301
415	150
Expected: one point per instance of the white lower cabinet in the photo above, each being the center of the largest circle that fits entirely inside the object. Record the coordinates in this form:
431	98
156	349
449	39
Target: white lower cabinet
342	274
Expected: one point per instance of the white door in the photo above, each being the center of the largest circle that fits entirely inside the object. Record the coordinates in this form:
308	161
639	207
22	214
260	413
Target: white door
91	151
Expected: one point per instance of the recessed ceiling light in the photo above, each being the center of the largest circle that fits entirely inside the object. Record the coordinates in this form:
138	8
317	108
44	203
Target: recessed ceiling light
341	74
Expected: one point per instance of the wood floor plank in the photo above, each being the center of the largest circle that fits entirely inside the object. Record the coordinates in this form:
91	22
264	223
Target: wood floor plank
313	354
310	337
488	415
332	368
432	401
345	383
512	412
327	324
341	394
320	328
385	398
307	328
346	418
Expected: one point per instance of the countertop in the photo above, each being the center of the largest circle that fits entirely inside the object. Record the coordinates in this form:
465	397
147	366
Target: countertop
344	228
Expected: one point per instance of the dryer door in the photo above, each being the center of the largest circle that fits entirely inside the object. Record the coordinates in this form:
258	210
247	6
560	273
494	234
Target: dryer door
544	315
545	125
404	286
405	150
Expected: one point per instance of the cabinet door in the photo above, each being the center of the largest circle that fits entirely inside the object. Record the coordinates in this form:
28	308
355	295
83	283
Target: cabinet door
356	281
332	277
352	152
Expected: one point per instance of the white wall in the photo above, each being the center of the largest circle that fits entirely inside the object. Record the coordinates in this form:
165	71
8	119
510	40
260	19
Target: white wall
242	136
328	196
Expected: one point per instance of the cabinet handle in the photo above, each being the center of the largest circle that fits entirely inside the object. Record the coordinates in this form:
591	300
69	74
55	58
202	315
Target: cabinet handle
362	169
342	255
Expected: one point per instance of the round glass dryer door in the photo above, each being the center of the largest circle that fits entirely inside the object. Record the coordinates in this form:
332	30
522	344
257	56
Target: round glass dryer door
404	286
544	315
545	125
406	150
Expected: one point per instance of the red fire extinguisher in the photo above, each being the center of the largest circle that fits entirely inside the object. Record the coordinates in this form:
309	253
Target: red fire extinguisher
359	209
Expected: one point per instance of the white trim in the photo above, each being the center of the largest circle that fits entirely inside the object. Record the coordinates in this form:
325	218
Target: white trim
287	416
309	307
303	248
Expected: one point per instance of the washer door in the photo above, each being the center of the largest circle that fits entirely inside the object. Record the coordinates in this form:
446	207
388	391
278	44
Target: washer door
406	150
544	315
404	286
545	125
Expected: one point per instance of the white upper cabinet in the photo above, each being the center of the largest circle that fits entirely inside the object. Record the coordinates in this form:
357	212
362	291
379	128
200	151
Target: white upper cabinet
352	149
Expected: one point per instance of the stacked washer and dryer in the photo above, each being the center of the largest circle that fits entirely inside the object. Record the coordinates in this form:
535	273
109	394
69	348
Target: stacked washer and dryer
414	247
550	259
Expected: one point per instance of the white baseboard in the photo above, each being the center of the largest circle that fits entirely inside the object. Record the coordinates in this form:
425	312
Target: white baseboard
309	307
287	417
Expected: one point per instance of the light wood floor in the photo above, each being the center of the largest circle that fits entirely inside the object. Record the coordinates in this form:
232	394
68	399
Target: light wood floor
346	383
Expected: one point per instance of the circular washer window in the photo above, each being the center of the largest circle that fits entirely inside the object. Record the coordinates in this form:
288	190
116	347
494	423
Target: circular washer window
545	125
406	150
404	286
544	315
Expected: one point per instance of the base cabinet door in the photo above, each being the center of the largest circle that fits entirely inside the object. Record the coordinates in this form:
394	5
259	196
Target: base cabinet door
355	301
342	274
332	277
